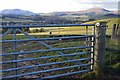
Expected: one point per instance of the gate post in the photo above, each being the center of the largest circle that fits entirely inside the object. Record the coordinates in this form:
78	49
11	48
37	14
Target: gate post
113	31
99	56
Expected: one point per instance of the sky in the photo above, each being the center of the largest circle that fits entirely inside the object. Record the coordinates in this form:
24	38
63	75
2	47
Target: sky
46	6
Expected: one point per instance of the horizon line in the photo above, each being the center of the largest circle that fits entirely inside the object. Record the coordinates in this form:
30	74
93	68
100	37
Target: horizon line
59	10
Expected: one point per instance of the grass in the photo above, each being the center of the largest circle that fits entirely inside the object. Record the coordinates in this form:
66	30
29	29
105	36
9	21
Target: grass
73	30
56	44
110	60
69	30
63	32
55	31
14	20
110	23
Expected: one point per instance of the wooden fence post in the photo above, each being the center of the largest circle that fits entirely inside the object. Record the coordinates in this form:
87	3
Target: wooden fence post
113	31
117	31
99	48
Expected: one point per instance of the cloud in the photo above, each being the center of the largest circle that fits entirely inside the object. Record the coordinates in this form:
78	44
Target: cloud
92	1
110	5
39	6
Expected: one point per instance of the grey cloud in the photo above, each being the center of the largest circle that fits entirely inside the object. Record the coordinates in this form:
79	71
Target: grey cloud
110	5
106	5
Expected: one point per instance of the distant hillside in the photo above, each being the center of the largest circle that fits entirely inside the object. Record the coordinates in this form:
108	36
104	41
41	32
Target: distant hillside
16	12
92	13
77	16
97	10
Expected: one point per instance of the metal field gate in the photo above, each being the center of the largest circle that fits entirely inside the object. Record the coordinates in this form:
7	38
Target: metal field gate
73	56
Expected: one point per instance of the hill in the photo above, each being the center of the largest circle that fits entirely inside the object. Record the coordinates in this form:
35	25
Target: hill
16	12
95	10
96	13
79	16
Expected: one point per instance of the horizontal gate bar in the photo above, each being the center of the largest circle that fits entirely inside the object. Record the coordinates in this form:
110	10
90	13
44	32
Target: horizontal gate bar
65	74
46	64
49	70
48	50
44	57
44	39
47	25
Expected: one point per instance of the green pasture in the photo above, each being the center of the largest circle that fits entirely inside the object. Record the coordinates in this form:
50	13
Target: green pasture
111	58
79	30
110	23
56	31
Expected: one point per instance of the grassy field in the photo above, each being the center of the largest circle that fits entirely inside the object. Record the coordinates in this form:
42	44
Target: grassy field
26	46
110	23
111	60
68	30
63	31
34	45
15	20
78	30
